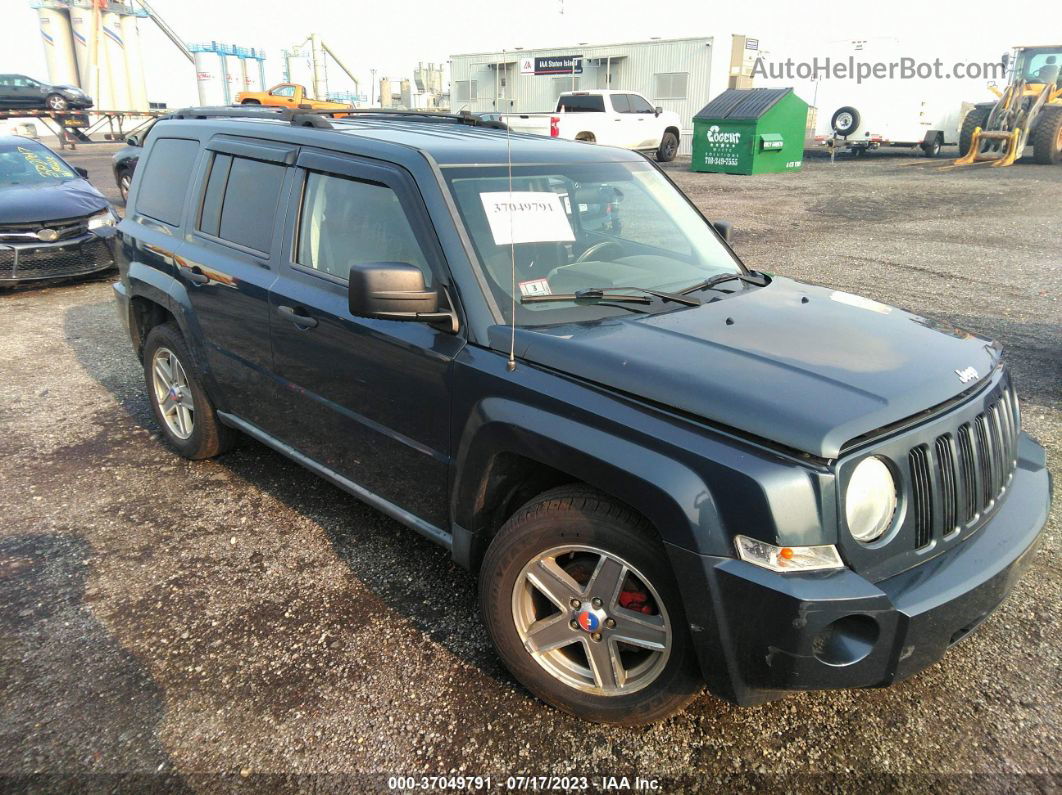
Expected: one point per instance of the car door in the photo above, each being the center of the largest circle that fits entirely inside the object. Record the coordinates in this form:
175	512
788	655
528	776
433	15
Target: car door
8	98
368	399
228	263
20	94
647	130
620	126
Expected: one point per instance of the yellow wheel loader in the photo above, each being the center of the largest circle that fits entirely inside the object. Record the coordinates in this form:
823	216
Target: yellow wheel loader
1028	111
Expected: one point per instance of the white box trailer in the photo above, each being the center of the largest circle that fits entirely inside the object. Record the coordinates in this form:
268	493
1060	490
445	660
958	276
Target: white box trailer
871	122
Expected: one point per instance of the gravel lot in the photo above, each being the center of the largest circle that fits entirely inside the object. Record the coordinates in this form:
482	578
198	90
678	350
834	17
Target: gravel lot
239	621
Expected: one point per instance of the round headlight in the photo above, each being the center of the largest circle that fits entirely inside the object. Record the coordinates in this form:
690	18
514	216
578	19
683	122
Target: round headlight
870	501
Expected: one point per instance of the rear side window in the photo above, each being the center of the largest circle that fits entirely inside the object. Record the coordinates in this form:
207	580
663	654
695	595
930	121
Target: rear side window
582	103
164	182
241	201
621	103
345	222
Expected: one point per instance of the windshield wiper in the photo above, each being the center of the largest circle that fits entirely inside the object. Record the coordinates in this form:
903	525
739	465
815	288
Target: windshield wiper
723	277
606	294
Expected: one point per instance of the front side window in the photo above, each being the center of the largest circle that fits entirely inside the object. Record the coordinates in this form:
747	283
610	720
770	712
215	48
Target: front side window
284	91
347	222
639	104
580	226
165	179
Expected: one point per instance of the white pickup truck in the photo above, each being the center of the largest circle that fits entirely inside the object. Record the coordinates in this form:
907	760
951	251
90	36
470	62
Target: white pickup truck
614	118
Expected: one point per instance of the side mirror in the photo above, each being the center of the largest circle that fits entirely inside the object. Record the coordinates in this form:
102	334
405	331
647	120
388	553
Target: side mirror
82	172
133	140
393	291
658	110
724	228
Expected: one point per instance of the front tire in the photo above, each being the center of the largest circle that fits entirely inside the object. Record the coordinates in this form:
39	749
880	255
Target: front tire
583	609
125	180
669	146
55	102
182	409
1047	138
978	117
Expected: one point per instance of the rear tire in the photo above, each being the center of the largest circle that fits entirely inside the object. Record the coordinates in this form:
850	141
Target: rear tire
669	146
574	530
1047	138
191	427
932	149
977	117
250	102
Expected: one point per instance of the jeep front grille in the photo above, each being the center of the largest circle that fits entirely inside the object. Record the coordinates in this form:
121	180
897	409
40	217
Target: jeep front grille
962	474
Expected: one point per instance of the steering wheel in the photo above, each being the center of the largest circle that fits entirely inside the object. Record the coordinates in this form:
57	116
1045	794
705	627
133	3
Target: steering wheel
594	249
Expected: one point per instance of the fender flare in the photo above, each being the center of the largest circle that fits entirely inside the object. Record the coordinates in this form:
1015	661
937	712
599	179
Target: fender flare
674	498
171	294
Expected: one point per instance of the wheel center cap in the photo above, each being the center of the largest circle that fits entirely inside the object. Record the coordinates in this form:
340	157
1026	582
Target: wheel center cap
590	620
175	393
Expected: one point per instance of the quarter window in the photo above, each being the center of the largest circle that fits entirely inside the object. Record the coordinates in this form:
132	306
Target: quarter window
165	179
241	201
345	222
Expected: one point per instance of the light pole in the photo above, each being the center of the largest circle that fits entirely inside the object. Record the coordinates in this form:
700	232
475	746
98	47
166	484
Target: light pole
372	89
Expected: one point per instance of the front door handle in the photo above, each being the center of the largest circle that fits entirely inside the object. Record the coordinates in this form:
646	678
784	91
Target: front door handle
300	319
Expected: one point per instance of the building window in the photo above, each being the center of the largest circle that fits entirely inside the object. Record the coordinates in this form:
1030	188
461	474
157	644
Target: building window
670	85
465	90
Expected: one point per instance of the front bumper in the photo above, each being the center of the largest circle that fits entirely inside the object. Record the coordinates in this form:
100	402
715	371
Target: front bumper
90	253
762	633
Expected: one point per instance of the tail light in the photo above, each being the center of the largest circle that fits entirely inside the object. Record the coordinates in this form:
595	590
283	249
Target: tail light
554	126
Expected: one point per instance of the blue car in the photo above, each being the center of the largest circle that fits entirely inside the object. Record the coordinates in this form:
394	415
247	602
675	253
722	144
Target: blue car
53	223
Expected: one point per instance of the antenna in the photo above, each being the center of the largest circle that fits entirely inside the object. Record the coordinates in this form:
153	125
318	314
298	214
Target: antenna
511	365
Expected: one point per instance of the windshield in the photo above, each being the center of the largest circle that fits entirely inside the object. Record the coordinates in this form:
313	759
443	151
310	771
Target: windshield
1040	65
29	163
582	225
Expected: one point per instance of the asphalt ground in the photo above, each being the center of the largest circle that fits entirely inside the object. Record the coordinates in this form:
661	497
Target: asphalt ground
240	624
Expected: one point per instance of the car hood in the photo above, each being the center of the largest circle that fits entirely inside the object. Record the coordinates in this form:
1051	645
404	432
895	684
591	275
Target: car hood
21	204
806	367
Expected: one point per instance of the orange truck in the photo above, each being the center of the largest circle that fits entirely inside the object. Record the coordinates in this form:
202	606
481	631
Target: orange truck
288	95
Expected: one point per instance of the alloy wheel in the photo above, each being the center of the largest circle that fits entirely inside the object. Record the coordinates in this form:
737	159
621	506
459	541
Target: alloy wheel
592	620
172	393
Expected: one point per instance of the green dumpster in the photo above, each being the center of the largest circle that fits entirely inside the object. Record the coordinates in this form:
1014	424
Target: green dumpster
750	131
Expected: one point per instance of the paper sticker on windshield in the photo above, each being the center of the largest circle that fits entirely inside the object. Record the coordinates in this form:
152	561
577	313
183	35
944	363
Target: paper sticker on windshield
860	302
526	217
535	287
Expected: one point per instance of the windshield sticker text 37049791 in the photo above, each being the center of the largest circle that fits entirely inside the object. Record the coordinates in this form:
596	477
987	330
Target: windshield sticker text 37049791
526	217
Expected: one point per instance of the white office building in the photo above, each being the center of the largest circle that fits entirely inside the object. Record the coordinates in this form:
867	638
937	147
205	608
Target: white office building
680	75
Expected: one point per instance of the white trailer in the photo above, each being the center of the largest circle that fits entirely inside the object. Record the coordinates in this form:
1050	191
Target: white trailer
870	122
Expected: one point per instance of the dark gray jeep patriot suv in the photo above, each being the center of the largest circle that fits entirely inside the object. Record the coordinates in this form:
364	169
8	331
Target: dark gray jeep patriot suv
665	468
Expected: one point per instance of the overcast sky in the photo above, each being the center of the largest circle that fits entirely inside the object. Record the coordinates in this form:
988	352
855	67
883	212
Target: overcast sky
392	37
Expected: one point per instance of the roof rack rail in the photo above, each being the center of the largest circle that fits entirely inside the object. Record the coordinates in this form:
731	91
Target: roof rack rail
297	117
462	117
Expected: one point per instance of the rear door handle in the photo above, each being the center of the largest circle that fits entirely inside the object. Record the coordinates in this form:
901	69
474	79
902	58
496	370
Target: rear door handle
298	317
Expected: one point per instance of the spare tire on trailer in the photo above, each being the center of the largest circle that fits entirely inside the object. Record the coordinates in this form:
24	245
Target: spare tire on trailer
845	121
1047	137
977	117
